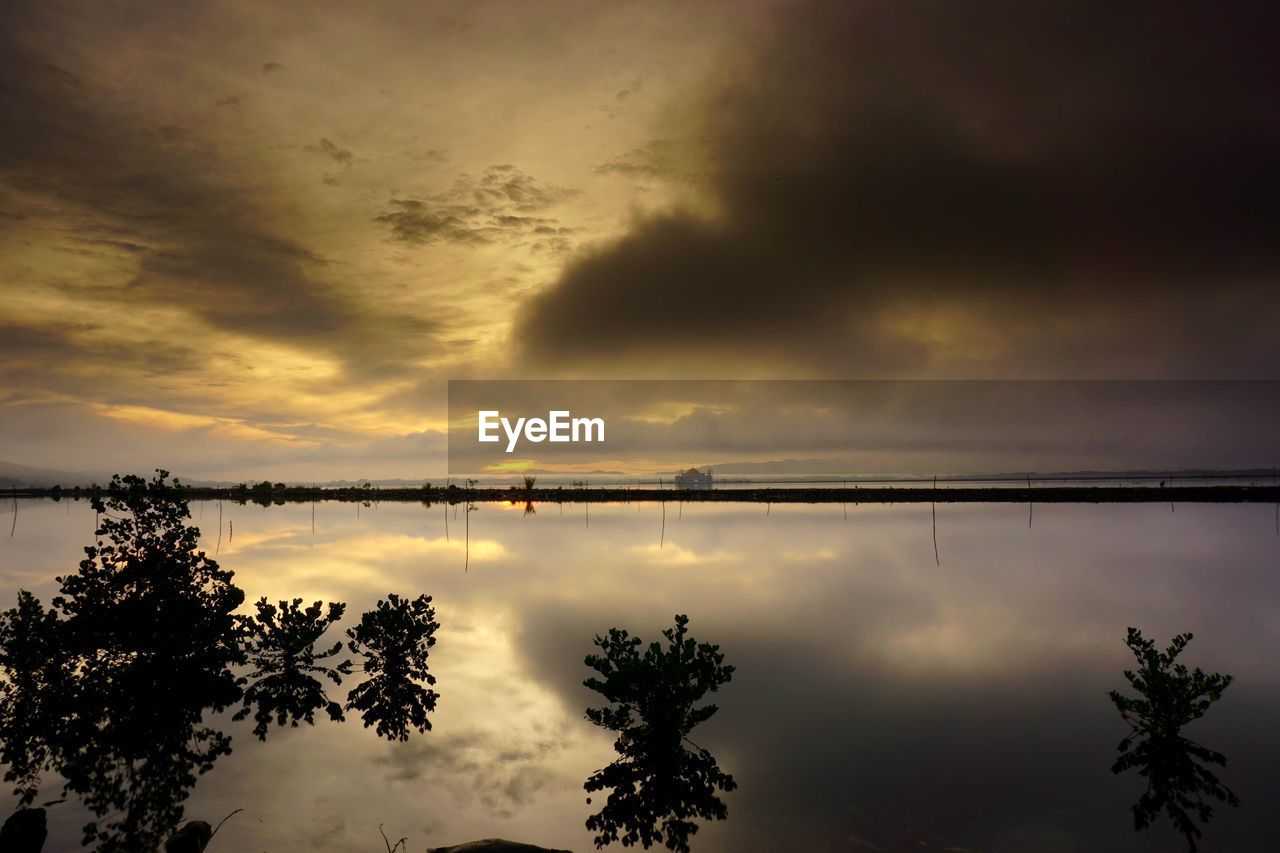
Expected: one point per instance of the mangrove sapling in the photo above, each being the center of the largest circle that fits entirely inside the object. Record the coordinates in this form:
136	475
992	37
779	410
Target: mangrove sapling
1169	697
395	640
658	784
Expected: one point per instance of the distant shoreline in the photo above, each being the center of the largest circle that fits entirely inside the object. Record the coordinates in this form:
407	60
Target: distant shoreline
871	495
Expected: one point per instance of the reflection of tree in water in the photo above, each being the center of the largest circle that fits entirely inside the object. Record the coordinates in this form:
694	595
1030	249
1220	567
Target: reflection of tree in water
1169	697
395	639
110	686
144	637
658	784
281	647
35	672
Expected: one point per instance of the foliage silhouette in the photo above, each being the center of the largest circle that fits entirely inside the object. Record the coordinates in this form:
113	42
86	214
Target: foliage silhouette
32	694
1169	697
658	785
395	639
281	648
110	687
151	637
144	581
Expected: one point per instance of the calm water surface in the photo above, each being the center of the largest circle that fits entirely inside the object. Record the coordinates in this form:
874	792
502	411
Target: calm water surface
881	700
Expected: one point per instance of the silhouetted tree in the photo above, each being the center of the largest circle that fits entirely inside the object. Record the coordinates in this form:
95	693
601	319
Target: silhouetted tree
145	581
658	784
1169	697
281	648
110	687
33	692
395	640
152	634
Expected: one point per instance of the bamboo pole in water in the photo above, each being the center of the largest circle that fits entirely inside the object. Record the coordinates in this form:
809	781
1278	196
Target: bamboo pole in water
1031	506
933	512
663	537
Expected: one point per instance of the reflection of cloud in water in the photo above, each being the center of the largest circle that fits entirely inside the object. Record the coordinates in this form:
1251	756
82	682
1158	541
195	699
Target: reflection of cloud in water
291	566
250	539
819	555
505	757
503	772
500	738
673	554
876	692
884	692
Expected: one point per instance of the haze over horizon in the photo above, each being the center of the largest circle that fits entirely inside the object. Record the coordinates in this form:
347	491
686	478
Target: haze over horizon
247	242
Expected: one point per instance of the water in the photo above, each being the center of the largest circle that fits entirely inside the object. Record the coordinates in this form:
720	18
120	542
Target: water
881	700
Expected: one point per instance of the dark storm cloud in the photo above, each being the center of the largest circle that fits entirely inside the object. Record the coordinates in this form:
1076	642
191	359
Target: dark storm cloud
88	166
1093	186
33	359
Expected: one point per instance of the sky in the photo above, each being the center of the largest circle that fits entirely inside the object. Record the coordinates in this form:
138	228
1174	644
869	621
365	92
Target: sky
241	240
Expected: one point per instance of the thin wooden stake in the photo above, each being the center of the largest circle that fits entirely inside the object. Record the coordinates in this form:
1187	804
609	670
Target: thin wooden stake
663	537
1031	506
933	512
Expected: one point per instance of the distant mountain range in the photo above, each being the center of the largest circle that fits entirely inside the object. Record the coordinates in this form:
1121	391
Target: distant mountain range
12	474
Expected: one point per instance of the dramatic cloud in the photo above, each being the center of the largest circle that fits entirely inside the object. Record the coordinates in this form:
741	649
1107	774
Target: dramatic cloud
492	208
1009	188
209	216
656	159
199	236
